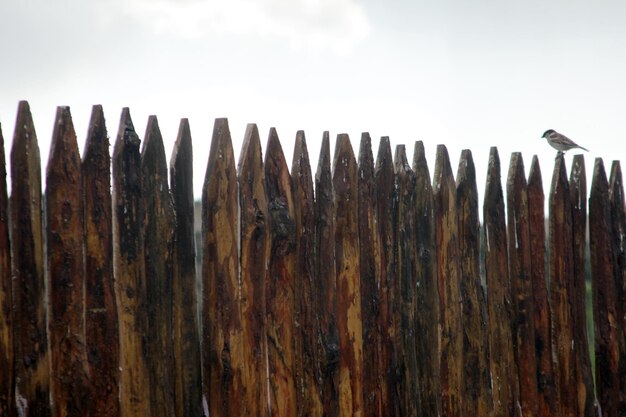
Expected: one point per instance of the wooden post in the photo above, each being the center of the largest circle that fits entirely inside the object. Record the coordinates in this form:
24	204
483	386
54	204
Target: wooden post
253	256
406	288
587	406
503	366
128	259
546	390
427	314
69	384
325	273
477	397
451	330
369	259
32	366
185	300
347	266
307	330
607	335
222	332
279	284
521	285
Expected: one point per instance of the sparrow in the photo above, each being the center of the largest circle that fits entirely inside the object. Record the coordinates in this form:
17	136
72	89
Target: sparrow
560	142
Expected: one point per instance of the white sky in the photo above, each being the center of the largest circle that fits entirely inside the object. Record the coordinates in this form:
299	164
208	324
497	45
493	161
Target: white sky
466	74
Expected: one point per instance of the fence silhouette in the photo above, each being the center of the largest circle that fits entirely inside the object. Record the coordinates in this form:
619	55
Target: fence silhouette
355	292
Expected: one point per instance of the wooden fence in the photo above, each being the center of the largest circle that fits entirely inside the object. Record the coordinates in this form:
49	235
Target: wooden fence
355	292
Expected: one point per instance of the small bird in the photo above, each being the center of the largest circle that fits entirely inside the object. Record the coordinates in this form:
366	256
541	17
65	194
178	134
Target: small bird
560	142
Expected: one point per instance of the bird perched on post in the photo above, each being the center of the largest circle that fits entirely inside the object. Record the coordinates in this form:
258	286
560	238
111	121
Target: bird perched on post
560	142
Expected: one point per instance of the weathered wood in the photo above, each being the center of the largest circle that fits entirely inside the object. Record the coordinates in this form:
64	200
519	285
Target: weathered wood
345	193
326	280
32	366
503	367
561	272
188	378
369	259
7	382
385	206
69	386
618	218
307	330
450	320
587	406
222	332
129	270
406	302
279	284
253	258
605	318
521	285
427	314
477	397
546	390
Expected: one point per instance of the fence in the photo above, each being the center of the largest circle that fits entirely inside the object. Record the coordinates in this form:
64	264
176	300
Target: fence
355	292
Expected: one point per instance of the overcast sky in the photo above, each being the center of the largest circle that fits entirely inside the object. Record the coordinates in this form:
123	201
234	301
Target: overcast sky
466	74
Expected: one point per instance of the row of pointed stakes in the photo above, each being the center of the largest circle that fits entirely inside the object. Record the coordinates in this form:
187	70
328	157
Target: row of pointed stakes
357	291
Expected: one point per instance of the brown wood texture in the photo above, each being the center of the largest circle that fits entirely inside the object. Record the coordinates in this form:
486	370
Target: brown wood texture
450	320
503	366
477	397
587	406
253	257
69	384
129	270
561	273
369	259
7	364
384	177
279	284
427	314
546	390
406	300
345	192
605	317
307	330
521	285
222	332
188	376
32	359
326	280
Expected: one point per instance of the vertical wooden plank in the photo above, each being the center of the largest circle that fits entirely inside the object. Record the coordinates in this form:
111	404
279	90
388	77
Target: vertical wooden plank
7	382
307	330
546	390
66	268
253	256
427	314
325	273
279	287
406	285
477	398
385	207
618	218
347	266
587	406
32	366
451	330
222	332
503	366
128	269
605	316
521	285
185	300
561	272
369	259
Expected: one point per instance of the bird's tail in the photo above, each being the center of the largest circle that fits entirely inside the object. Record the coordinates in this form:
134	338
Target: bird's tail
584	149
